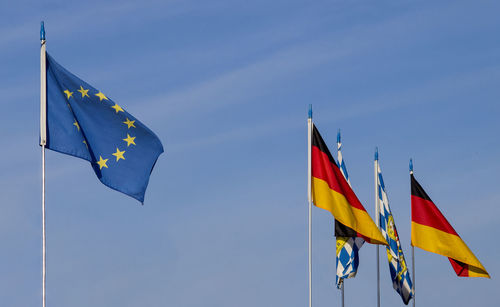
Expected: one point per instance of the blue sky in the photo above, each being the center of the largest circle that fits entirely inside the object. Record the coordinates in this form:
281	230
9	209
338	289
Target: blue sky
226	85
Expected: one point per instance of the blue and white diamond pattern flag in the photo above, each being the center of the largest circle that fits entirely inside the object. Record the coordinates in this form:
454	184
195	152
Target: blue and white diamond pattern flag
347	247
400	276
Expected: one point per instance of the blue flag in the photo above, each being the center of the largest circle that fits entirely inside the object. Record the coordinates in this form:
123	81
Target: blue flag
85	123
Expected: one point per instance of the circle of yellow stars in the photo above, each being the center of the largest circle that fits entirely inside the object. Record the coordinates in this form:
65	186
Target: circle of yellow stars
130	140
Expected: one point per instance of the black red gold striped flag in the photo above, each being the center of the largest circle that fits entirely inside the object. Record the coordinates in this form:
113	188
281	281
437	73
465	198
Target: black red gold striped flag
431	231
331	192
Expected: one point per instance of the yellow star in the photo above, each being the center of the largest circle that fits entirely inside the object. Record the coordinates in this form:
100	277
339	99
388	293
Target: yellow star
83	92
68	93
102	162
130	123
101	96
76	125
119	154
117	108
85	142
129	140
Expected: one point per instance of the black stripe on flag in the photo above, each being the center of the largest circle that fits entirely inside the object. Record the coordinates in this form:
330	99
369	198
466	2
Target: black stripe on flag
417	190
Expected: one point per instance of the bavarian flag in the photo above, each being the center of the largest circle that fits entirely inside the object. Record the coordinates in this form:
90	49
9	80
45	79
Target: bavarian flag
84	122
330	191
431	231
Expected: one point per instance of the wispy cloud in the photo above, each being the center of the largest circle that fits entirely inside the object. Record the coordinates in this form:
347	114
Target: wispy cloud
243	84
416	96
64	20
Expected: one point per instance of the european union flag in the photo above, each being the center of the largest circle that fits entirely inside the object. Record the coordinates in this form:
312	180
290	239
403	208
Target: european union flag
83	122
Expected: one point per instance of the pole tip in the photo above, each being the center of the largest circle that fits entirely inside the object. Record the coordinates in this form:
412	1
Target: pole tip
42	31
376	153
338	136
310	112
411	166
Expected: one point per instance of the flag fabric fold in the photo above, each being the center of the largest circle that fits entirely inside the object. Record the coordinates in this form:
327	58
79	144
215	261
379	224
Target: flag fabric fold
347	248
85	123
400	275
331	192
432	232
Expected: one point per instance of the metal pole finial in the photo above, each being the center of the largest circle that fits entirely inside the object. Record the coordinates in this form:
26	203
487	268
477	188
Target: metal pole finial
310	112
376	153
42	31
411	166
338	136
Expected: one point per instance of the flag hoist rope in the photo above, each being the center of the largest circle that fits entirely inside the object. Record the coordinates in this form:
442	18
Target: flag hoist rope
43	142
377	220
309	197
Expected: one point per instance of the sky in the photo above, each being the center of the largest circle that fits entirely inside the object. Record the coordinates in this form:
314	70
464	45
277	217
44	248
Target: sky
226	87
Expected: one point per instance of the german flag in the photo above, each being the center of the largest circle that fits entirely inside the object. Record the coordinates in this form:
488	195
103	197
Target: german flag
331	192
431	231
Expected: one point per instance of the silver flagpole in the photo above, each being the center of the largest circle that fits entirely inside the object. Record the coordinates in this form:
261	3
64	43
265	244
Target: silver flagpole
43	142
309	197
377	220
413	271
412	248
342	292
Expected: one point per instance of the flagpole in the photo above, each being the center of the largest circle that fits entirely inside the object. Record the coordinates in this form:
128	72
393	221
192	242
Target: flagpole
377	220
43	142
342	297
342	292
412	248
309	197
413	271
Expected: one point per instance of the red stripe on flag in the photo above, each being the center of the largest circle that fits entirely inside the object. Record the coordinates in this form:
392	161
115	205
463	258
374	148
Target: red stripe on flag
426	213
462	269
323	169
